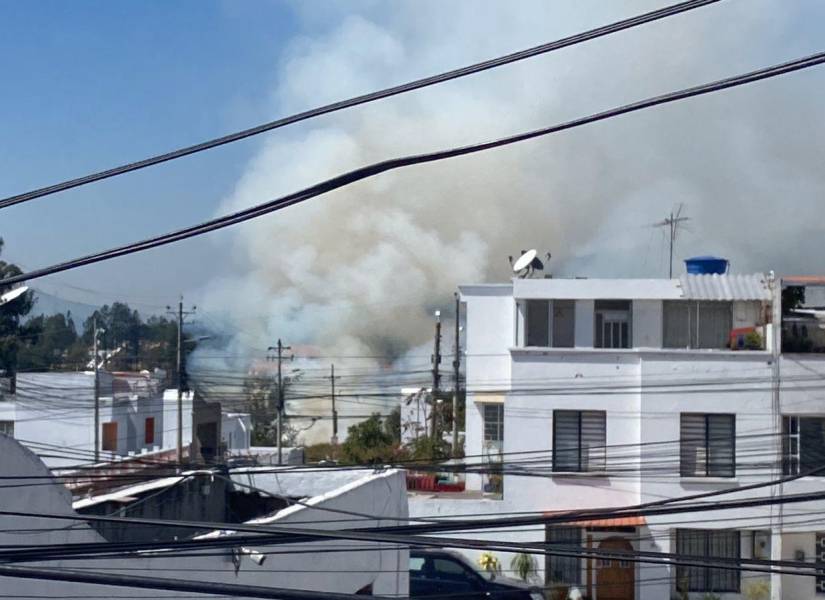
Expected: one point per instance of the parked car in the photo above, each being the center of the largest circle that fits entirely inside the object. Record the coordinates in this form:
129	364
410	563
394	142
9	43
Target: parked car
447	573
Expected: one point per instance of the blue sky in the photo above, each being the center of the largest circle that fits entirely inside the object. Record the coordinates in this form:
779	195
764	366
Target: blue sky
91	84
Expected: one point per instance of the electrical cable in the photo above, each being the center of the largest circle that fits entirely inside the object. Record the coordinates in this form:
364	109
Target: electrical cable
397	163
363	99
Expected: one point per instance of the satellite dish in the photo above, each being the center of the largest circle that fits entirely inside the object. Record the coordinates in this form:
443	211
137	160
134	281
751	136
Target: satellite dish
524	261
13	294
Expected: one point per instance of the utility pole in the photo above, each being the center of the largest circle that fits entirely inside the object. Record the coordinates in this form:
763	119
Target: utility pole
436	376
97	389
672	223
334	412
456	367
280	414
180	316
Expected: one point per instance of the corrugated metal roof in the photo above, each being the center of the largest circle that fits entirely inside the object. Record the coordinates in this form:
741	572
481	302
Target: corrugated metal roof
725	287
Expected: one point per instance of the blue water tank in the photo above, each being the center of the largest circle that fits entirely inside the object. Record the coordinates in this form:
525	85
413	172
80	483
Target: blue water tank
706	265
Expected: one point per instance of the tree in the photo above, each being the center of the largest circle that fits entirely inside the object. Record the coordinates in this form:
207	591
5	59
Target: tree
11	316
49	342
368	442
261	392
121	331
392	424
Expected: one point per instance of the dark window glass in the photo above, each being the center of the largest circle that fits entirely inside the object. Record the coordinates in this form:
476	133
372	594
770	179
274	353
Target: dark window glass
563	569
564	323
538	323
707	545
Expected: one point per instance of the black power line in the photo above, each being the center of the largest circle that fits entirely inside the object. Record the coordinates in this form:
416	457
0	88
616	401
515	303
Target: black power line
397	163
363	99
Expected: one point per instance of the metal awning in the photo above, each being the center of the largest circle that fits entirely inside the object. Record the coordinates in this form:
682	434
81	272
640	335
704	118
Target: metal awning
725	287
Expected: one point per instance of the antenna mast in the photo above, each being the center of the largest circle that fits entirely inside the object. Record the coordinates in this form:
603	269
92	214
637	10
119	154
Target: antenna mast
672	222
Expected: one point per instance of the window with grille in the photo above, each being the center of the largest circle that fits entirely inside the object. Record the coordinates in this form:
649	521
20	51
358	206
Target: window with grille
803	445
708	544
692	324
579	440
110	436
563	569
7	428
612	327
493	425
707	445
820	558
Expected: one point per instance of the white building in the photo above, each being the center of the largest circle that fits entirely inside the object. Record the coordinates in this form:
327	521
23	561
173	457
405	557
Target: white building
53	413
616	392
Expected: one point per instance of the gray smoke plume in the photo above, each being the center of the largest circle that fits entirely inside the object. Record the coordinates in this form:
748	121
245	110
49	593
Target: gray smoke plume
359	271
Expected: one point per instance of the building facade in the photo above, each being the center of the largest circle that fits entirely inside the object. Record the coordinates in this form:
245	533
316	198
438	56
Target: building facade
609	393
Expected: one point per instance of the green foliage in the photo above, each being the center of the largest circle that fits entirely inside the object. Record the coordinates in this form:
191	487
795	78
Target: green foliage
426	447
48	341
757	590
261	391
369	442
524	565
753	341
711	596
318	452
392	424
11	319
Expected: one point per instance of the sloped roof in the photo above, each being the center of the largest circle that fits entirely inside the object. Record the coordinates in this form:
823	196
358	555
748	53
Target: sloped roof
725	287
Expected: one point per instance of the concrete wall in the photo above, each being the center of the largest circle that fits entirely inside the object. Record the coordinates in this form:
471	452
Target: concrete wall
381	495
236	430
643	391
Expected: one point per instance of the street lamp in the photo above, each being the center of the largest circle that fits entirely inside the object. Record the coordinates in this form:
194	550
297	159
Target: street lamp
13	294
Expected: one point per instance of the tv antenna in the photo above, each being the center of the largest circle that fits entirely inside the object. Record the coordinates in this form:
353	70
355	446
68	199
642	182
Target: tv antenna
673	222
528	263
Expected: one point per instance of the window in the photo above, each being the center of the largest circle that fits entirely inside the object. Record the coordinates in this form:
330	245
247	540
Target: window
690	324
149	430
803	444
564	323
493	425
579	440
707	544
708	445
110	436
612	329
538	323
7	428
563	569
416	566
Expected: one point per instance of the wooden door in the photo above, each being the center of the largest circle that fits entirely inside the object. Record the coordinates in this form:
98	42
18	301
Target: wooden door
615	579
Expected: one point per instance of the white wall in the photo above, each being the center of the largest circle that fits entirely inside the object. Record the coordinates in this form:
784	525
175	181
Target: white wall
643	392
170	418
